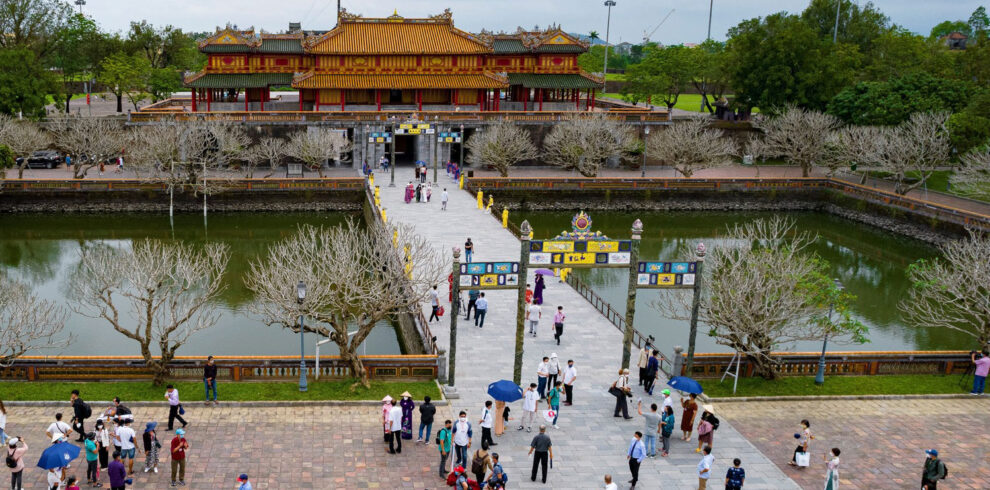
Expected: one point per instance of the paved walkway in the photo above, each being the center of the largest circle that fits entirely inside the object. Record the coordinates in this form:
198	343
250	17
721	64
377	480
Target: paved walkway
279	448
590	442
882	441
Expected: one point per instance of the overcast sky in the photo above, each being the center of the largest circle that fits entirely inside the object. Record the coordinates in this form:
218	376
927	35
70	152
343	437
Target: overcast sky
629	17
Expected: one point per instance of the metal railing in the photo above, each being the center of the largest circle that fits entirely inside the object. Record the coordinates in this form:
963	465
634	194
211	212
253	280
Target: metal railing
269	184
867	363
153	115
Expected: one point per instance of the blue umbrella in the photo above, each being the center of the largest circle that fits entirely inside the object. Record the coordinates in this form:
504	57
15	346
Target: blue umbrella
58	455
686	384
505	391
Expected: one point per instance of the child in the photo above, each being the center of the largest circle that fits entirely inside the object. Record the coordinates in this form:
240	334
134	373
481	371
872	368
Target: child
735	476
70	484
429	193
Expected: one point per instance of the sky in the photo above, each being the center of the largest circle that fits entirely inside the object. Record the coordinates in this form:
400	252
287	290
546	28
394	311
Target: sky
688	22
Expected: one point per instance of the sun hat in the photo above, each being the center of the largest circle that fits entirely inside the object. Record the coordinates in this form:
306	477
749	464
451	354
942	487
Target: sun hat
387	399
12	441
150	426
459	469
708	408
666	392
406	394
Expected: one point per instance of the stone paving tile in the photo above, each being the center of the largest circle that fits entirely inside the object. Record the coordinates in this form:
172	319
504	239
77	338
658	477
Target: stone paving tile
882	441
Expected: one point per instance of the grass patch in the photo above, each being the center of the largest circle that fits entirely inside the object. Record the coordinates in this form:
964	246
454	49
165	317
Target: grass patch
615	77
193	391
839	385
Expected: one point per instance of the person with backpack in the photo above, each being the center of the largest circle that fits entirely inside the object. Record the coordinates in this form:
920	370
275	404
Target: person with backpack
706	429
426	413
498	478
934	471
481	463
462	434
444	445
458	479
81	411
15	461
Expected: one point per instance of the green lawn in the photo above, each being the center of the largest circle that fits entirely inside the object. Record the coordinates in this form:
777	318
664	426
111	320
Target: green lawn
685	102
615	77
193	391
838	385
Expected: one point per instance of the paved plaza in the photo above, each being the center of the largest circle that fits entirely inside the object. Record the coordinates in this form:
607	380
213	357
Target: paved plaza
590	442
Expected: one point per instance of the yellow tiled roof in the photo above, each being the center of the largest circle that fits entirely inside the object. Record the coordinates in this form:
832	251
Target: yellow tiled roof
396	35
397	82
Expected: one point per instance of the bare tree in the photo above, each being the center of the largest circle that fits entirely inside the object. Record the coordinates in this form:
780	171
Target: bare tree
27	322
692	145
354	277
90	140
953	292
764	289
501	146
156	293
853	144
800	136
23	138
586	143
972	178
268	152
315	147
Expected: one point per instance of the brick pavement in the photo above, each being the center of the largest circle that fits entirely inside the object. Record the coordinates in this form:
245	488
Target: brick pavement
303	447
882	441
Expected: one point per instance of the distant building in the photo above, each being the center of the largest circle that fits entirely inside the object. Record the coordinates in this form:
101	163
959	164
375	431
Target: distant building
955	40
623	48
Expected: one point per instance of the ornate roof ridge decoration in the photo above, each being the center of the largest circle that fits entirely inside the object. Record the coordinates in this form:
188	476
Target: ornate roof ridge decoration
553	32
228	35
580	229
346	18
195	76
600	79
284	35
445	17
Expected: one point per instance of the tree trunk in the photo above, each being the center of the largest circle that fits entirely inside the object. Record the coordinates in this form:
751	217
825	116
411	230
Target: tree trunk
68	97
805	170
357	367
20	169
763	367
120	102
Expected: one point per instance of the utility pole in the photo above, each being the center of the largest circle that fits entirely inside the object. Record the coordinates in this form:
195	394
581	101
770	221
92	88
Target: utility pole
695	304
455	296
835	32
711	3
391	163
608	24
627	335
524	232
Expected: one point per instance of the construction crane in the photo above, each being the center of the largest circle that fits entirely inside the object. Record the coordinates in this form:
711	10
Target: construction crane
646	36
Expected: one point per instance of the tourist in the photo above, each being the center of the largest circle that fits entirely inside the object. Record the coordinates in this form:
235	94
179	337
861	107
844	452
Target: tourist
472	303
468	249
620	390
982	369
553	369
210	379
151	446
58	427
705	468
3	423
480	310
174	407
410	192
443	200
56	476
92	459
735	476
102	167
386	410
444	445
120	164
706	429
558	324
608	483
429	193
529	408
687	417
652	368
395	429
460	479
179	449
16	447
125	439
570	375
461	434
553	401
498	478
103	443
543	448
419	192
666	429
651	429
422	174
70	483
643	362
118	474
542	372
80	412
538	291
481	462
435	304
933	472
486	423
636	455
832	470
533	314
802	447
528	295
426	413
245	483
407	406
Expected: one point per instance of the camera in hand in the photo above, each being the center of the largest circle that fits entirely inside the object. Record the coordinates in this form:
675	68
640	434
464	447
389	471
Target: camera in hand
976	354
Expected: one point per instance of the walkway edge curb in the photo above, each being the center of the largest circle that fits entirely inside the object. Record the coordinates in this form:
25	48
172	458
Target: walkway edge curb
836	397
199	403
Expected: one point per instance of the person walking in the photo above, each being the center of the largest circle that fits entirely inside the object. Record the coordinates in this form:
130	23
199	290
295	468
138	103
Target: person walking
643	362
652	368
481	462
553	370
3	423
805	437
92	460
174	407
407	405
832	470
668	401
58	427
444	444
933	472
103	443
472	303
533	314
529	408
179	451
245	483
620	390
487	422
435	303
468	249
706	430
426	413
124	437
151	447
735	476
980	373
666	429
16	448
117	473
394	429
443	200
690	407
652	419
462	434
553	401
636	455
542	372
608	483
570	376
705	468
210	379
80	412
480	310
541	448
538	289
558	324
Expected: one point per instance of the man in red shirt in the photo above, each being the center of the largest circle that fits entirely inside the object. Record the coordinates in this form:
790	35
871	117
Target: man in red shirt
179	447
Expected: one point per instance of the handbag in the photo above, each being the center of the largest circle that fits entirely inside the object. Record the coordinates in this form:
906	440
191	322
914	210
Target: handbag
615	391
182	411
802	459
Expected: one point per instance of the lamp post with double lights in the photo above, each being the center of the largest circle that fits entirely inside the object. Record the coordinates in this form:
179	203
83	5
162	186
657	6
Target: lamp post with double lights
646	131
300	297
608	24
820	375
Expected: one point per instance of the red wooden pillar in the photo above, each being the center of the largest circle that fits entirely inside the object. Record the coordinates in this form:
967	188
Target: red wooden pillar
378	99
419	100
481	100
247	100
587	99
195	93
592	99
539	96
343	98
455	96
525	97
262	96
316	107
498	98
300	100
209	99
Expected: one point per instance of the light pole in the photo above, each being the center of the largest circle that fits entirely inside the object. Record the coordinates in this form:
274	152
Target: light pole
460	160
820	376
391	165
835	33
608	23
300	297
646	131
80	4
711	3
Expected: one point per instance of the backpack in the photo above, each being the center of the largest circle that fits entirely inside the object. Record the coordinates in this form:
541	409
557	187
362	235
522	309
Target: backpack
451	479
496	469
11	462
945	469
87	411
714	421
477	464
441	431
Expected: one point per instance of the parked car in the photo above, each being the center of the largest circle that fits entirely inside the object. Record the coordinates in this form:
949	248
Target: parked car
42	159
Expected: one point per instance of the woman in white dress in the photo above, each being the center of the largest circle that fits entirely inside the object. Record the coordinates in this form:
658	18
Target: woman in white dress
832	470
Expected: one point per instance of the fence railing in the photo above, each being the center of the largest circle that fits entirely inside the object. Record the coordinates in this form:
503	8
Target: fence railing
153	115
230	368
841	363
270	184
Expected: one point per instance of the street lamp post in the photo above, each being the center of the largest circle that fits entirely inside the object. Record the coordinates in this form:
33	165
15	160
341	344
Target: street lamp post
391	165
80	4
646	131
820	376
300	297
835	33
608	23
460	160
